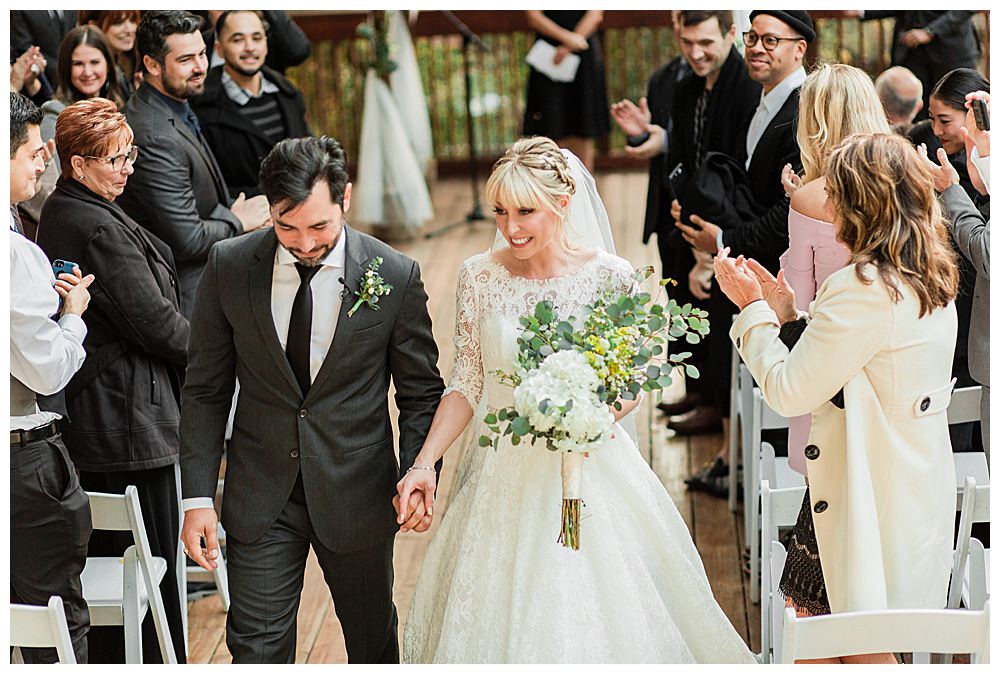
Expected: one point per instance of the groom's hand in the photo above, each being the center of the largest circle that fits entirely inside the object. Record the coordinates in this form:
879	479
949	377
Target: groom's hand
415	517
201	523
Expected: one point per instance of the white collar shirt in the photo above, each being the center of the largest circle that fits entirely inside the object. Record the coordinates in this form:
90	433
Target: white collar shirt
326	287
770	104
44	354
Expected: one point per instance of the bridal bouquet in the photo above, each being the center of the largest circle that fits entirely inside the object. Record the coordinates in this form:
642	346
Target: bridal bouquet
573	370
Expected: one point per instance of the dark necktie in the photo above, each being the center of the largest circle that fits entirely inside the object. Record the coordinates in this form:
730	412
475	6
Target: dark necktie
300	328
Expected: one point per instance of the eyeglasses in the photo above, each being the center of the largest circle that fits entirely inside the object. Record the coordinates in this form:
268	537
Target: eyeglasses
770	41
118	161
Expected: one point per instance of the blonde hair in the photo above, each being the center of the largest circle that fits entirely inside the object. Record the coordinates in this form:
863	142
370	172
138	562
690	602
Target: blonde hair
532	173
890	217
835	102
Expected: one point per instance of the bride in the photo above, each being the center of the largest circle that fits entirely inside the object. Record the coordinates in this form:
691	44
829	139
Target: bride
495	586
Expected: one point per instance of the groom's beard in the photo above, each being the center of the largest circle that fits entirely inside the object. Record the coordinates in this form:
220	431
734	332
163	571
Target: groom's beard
312	261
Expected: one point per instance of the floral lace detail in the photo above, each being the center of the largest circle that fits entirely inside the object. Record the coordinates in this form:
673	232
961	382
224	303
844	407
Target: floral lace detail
495	586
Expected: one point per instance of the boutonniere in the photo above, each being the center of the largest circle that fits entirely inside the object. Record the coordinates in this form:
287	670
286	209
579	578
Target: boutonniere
373	286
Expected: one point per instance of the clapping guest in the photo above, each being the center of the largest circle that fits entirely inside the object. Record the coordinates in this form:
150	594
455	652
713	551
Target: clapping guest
124	402
119	27
876	529
836	101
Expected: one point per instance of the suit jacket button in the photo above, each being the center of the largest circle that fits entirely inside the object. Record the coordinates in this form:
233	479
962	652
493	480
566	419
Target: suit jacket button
820	507
294	453
924	404
812	452
302	414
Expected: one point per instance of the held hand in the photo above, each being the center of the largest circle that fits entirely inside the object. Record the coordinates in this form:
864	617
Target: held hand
576	42
738	283
631	118
776	291
704	239
72	288
943	174
652	146
790	180
201	523
416	493
252	213
561	53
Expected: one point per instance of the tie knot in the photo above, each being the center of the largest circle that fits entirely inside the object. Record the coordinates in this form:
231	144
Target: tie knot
306	273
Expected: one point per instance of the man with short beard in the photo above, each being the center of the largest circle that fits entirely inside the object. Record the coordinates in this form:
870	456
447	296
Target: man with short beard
178	191
247	107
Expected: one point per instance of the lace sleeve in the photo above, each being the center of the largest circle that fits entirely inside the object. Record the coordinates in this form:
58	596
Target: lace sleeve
467	373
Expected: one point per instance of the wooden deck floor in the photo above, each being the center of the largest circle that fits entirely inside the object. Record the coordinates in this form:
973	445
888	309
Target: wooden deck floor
717	532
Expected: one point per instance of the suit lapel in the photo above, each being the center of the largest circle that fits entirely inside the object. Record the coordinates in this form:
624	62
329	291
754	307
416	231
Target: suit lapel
261	276
355	257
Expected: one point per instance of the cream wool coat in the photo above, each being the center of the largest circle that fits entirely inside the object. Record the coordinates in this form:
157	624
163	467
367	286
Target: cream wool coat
881	474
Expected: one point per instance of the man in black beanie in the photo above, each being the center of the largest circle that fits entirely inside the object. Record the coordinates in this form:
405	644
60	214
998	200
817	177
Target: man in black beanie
775	48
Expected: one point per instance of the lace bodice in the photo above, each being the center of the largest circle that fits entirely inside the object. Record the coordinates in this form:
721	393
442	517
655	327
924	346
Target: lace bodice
490	302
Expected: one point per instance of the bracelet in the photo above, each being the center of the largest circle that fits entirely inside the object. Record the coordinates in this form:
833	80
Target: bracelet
416	467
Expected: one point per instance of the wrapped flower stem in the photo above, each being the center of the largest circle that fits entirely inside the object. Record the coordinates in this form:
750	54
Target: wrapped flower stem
572	480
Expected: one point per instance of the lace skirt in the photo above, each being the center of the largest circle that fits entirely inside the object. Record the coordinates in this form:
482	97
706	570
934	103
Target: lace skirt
802	578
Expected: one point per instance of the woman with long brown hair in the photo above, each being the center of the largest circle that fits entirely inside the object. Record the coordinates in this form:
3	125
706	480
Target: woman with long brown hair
873	366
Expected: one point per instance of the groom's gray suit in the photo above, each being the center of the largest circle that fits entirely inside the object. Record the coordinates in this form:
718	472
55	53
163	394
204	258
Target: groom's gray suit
322	466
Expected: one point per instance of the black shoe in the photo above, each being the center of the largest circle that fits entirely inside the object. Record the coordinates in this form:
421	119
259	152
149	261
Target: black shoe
685	404
713	469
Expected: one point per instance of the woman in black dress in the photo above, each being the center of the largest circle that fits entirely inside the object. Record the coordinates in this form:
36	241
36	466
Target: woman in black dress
571	113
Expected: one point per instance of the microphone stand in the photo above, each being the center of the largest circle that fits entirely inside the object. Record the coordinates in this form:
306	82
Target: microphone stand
468	39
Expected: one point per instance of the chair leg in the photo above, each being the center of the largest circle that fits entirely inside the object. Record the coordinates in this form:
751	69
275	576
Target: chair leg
221	576
160	621
180	563
131	615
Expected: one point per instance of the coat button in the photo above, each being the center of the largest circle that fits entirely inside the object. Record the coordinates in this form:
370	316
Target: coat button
302	414
924	404
739	342
820	507
294	453
812	452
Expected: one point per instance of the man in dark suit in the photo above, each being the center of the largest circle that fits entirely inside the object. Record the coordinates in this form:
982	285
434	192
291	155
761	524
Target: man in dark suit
178	191
44	28
931	43
311	461
247	107
775	46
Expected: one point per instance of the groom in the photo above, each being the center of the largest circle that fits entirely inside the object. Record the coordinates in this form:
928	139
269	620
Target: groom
311	459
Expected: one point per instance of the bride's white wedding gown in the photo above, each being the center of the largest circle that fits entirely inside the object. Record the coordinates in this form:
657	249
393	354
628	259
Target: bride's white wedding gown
495	586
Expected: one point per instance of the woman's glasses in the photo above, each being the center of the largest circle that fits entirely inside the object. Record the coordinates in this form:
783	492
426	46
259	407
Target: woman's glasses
118	161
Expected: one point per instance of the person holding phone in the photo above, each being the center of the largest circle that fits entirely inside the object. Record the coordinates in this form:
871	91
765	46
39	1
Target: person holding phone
124	403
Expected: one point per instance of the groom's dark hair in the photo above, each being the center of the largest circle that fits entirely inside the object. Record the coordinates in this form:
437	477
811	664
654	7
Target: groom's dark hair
294	166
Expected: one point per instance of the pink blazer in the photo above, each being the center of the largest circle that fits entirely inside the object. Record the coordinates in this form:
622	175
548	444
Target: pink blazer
813	254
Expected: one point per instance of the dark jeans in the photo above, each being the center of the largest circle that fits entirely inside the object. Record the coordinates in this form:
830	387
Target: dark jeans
49	530
265	584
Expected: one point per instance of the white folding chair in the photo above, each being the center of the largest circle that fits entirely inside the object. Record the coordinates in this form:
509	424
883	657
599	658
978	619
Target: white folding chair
760	418
976	590
120	590
891	631
777	470
779	508
975	508
735	425
964	408
41	627
187	573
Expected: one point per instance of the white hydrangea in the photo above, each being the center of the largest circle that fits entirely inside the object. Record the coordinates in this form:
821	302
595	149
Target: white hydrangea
561	377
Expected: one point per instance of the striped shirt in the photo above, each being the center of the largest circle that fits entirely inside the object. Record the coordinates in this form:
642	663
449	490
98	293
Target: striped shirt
262	109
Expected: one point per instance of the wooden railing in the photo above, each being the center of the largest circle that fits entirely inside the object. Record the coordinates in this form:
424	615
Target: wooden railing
635	43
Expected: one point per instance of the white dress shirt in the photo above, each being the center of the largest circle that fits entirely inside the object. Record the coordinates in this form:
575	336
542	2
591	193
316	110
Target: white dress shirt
326	288
44	354
770	104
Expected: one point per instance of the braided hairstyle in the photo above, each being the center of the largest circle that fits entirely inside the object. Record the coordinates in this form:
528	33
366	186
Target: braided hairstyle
532	173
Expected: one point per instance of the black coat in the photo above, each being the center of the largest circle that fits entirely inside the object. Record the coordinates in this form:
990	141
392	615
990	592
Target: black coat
766	238
124	402
660	99
177	191
955	40
37	28
238	145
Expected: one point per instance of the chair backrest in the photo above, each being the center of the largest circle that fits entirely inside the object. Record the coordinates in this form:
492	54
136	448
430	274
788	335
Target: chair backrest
121	512
975	508
41	627
964	405
777	604
778	508
979	584
892	631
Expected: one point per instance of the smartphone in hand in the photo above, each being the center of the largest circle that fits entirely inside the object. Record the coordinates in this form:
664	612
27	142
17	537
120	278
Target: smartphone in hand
63	267
982	114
